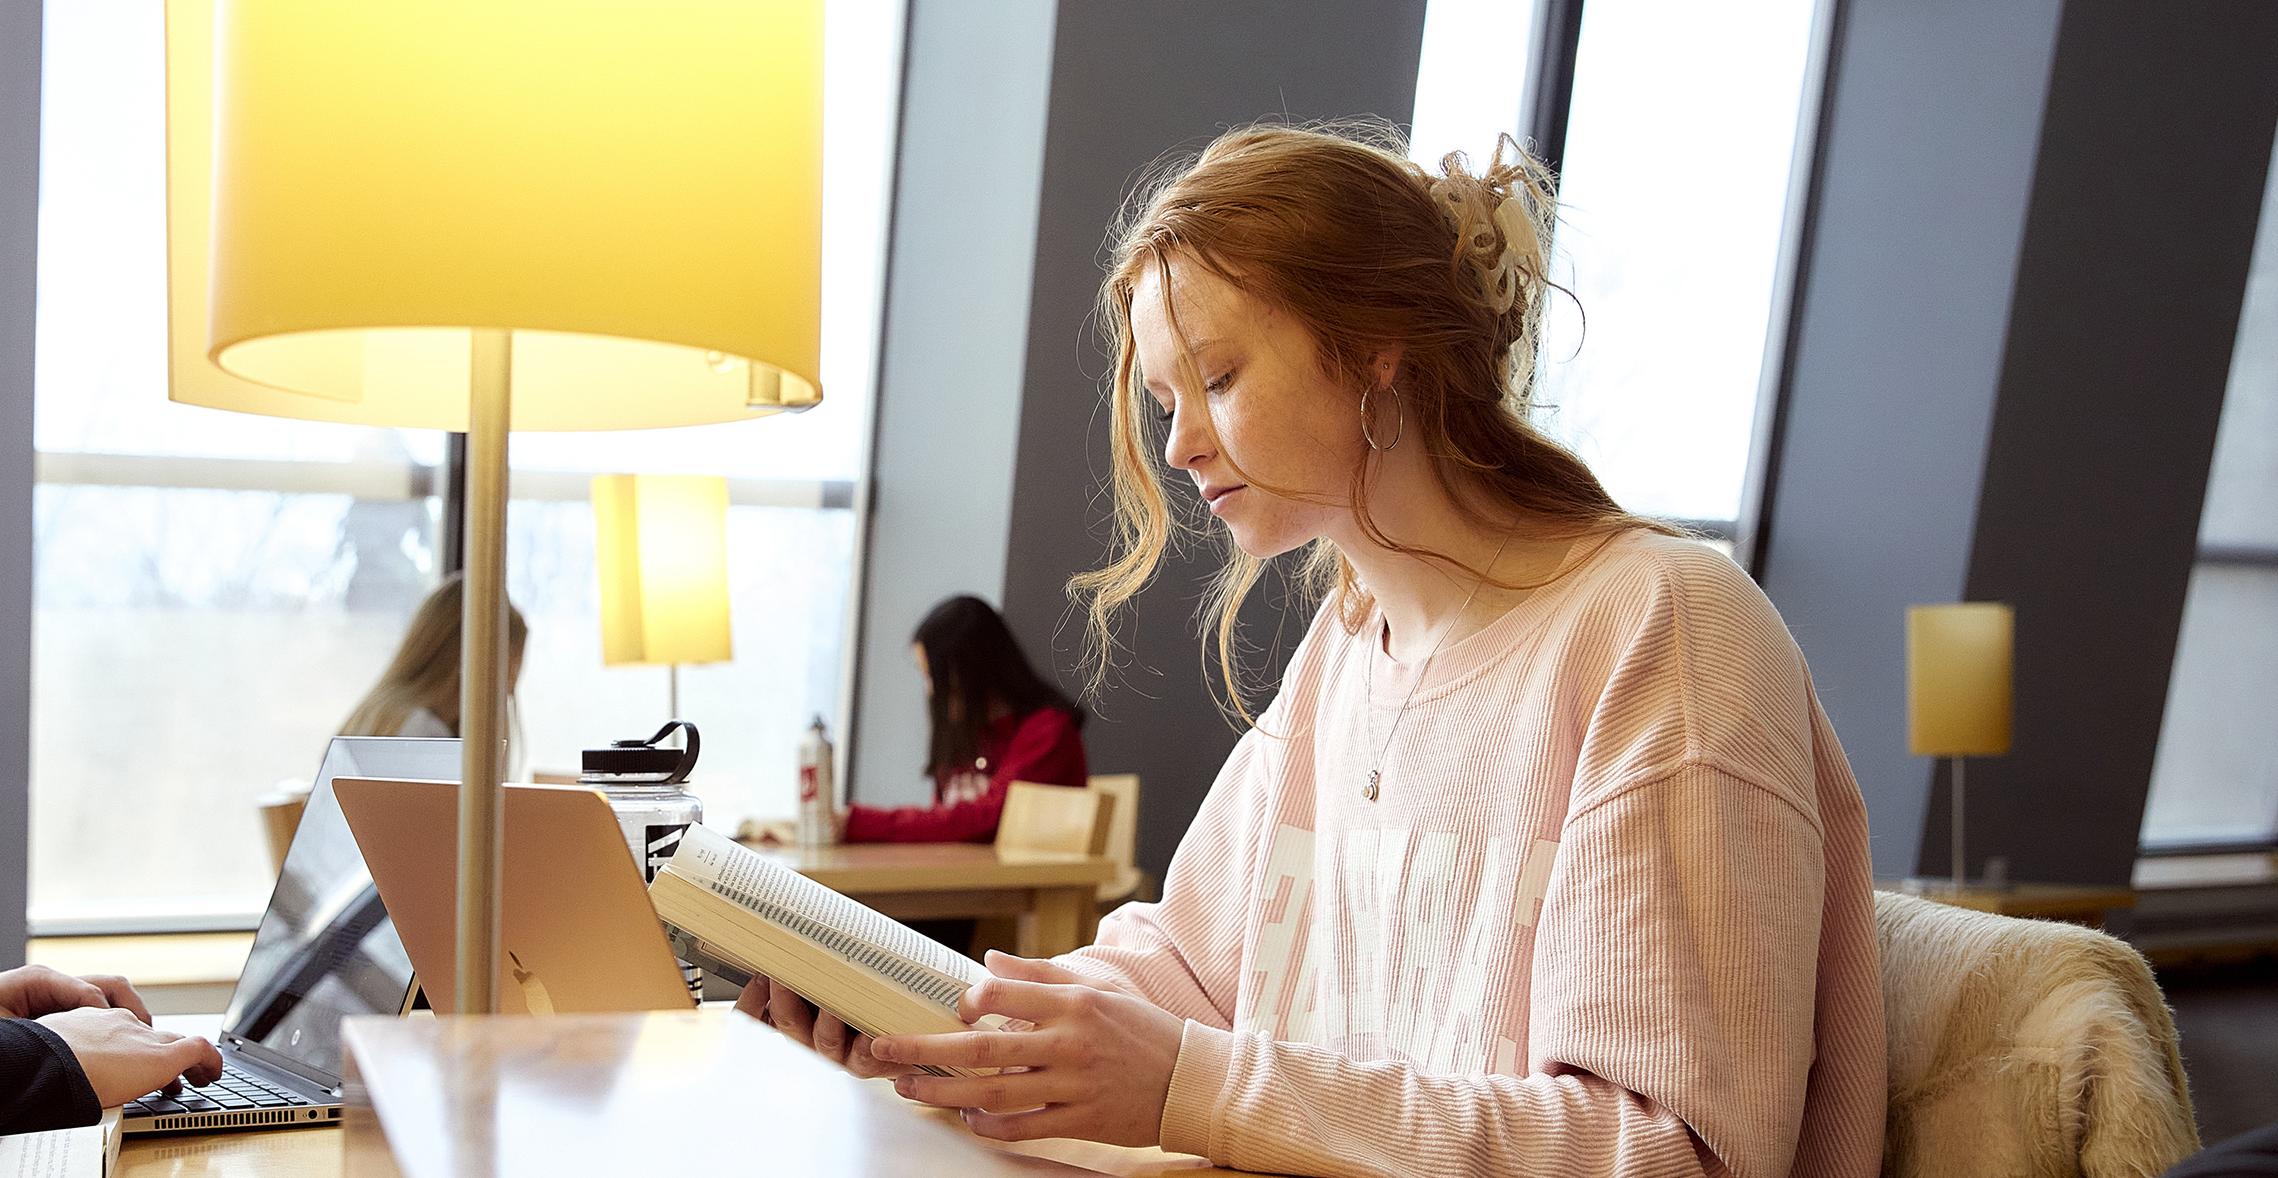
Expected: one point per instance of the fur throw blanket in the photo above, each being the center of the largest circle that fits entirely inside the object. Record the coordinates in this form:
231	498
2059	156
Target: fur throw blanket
2024	1049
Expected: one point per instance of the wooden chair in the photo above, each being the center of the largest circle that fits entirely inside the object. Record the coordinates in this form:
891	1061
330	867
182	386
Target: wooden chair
281	810
1129	883
1055	818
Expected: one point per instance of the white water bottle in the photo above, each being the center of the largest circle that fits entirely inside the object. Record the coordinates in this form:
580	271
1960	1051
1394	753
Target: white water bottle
818	796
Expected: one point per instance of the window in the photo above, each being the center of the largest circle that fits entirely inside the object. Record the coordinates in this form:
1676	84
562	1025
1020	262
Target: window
793	527
1459	106
2214	782
1673	200
214	591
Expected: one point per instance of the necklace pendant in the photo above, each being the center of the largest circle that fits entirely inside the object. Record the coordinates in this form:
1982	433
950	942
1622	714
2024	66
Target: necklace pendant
1369	791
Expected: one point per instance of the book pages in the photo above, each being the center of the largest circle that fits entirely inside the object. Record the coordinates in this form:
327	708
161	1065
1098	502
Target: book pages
815	913
89	1151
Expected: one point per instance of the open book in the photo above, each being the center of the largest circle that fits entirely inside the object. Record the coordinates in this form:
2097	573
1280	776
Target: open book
90	1151
737	913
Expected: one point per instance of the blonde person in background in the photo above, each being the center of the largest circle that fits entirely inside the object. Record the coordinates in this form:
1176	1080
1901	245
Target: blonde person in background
1545	858
418	693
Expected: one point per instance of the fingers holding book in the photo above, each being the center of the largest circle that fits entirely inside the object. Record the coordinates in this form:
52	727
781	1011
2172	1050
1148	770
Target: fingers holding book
778	1006
1096	1065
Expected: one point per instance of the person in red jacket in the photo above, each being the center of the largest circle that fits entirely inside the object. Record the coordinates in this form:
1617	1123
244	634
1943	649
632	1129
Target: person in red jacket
995	721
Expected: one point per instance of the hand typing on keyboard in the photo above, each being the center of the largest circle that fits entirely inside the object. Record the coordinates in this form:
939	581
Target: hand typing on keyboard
107	1027
125	1057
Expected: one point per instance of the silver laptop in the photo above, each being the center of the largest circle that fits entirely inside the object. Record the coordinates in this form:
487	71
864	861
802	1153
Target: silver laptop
325	951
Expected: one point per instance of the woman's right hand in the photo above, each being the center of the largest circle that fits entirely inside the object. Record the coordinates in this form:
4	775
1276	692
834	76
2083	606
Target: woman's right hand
775	1004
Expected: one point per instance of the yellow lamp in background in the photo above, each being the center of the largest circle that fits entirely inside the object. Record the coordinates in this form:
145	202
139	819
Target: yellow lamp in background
661	549
1958	690
435	214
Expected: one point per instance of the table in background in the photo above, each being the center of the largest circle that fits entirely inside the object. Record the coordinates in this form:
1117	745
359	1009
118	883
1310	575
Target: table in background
1055	897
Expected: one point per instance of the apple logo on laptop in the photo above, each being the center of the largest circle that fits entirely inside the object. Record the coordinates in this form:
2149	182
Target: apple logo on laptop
533	991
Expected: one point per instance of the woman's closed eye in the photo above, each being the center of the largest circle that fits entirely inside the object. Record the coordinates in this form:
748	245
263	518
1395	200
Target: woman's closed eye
1221	383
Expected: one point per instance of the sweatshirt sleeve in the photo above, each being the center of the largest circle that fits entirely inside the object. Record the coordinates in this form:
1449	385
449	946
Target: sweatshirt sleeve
1046	748
970	821
1184	952
41	1084
1671	1027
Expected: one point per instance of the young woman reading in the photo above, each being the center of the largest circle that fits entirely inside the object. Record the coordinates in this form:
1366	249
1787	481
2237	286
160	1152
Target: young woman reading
1545	858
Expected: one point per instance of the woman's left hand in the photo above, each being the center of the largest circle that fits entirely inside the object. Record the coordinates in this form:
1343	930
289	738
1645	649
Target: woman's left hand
1097	1064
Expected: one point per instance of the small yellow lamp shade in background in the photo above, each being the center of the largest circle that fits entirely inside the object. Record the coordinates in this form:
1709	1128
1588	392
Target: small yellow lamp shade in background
1958	691
661	548
1957	679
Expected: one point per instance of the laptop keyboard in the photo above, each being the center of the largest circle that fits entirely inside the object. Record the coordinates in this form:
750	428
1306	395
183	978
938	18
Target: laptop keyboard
235	1090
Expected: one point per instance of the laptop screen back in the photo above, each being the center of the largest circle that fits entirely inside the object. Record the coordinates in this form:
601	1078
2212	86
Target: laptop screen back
326	950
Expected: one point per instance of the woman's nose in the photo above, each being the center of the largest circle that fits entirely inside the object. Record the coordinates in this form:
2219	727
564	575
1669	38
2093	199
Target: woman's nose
1190	441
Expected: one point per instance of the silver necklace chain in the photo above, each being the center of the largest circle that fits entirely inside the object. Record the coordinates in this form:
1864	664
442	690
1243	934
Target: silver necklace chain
1370	789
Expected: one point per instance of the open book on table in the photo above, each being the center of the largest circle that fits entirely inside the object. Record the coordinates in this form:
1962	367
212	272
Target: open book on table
89	1151
738	914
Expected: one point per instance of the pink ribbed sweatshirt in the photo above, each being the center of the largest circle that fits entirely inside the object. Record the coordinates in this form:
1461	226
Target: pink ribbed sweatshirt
1610	913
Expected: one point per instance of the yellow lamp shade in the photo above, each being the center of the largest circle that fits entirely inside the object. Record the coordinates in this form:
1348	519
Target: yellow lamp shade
1957	678
661	546
634	190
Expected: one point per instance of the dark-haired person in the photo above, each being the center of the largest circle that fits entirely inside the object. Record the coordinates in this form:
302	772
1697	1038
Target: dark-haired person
995	721
72	1047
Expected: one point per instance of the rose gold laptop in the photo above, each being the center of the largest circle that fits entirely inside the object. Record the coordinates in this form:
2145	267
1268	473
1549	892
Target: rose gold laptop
578	934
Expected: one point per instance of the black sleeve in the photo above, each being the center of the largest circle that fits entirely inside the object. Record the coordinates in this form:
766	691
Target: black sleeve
2244	1156
41	1085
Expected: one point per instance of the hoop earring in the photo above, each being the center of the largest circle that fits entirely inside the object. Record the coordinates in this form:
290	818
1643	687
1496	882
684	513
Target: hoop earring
1399	422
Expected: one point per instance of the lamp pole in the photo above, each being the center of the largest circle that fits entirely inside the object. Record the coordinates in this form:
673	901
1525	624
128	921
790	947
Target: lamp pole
482	698
1961	873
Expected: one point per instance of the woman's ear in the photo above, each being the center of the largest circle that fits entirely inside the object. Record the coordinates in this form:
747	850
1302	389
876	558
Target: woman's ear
1384	366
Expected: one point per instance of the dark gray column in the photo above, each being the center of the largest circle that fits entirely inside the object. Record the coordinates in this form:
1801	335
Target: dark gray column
19	250
2030	231
1129	83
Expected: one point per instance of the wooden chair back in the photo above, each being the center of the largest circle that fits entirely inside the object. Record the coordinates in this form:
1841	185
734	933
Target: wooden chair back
1055	818
281	810
1122	836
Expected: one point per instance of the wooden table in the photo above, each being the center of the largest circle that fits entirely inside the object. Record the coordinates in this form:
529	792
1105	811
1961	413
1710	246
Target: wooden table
1055	897
277	1153
771	1064
708	1092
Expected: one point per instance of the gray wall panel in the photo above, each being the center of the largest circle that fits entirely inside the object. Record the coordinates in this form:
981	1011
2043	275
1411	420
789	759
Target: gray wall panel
1927	165
957	293
1131	82
19	250
2032	236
